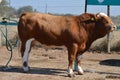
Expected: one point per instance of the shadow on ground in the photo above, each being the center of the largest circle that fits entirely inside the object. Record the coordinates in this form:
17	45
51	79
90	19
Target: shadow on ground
111	62
35	70
47	71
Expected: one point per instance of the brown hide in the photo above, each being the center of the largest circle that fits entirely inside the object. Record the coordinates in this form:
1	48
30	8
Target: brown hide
49	29
75	32
62	30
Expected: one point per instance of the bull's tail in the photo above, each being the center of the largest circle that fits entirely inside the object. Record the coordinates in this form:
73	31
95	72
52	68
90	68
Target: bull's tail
20	25
19	46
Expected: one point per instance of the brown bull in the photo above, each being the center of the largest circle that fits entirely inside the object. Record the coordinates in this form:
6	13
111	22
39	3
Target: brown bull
75	32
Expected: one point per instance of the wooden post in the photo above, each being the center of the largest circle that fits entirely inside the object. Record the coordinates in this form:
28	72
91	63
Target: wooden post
108	35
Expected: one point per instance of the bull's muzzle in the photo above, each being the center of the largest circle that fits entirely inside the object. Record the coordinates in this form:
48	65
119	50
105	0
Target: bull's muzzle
112	27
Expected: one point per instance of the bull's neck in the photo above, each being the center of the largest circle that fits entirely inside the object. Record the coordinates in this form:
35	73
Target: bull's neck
91	34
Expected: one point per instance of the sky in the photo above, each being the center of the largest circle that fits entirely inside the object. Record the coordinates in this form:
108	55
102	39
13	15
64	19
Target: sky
63	6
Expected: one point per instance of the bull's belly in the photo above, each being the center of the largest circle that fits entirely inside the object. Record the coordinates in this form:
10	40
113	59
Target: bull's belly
50	42
51	46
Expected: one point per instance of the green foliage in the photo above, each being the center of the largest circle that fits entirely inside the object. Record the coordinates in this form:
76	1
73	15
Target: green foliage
4	3
7	11
3	7
24	9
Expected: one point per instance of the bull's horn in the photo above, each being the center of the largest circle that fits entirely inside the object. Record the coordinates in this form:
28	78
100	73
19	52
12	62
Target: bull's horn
101	14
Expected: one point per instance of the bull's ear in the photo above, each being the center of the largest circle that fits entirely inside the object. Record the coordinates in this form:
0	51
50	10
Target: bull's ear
86	17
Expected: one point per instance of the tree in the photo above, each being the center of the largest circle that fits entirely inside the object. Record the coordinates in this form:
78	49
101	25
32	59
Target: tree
24	9
11	12
4	3
3	7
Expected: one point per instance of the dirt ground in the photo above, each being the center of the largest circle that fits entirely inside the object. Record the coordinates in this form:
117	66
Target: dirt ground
51	64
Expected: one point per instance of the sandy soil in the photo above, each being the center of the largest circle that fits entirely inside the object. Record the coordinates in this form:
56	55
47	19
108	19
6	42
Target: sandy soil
51	64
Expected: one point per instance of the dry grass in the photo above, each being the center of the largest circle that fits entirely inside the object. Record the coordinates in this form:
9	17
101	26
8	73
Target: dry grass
101	44
12	32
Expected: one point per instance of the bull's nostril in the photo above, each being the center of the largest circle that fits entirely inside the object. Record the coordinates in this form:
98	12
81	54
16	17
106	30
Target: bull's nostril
114	27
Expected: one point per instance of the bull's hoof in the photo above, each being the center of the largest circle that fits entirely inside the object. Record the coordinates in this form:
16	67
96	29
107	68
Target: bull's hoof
26	69
80	73
71	75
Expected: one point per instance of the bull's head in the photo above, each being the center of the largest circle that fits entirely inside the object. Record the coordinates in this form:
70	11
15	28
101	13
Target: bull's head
104	22
100	22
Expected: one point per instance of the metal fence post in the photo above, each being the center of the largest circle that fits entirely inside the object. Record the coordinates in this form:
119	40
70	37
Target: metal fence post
108	42
108	35
0	39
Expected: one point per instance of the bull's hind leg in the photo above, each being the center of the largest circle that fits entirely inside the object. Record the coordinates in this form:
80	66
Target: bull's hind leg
72	50
25	49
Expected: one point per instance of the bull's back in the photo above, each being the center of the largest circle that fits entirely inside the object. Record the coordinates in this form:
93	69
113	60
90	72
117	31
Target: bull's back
48	21
45	28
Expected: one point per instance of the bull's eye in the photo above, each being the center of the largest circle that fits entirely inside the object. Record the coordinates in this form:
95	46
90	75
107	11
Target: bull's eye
105	21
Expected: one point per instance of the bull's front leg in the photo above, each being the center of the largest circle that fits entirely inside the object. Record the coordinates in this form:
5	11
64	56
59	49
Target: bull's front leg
72	50
81	49
25	49
78	61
